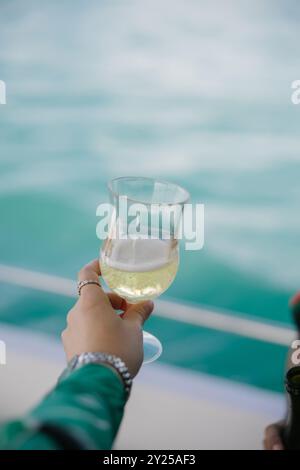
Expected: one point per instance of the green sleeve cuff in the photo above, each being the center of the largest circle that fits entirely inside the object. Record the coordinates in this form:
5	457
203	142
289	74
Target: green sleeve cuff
87	406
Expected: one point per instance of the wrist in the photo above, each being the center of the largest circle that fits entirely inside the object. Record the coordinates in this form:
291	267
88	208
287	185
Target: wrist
108	360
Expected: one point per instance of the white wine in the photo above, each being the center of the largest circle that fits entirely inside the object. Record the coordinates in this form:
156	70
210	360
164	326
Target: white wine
136	286
139	270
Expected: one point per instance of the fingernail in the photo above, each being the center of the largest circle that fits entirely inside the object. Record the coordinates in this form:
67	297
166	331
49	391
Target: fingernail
277	447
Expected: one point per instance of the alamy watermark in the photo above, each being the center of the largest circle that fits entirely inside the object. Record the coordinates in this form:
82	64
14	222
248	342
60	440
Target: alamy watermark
2	92
2	353
295	356
295	96
127	220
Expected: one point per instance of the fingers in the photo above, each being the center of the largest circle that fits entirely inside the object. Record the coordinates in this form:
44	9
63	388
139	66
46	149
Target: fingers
140	312
91	293
272	439
90	271
117	302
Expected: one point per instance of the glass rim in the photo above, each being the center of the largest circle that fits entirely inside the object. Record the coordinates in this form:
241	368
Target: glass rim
153	180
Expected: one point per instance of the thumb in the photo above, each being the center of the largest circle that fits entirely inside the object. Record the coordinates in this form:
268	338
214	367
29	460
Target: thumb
140	312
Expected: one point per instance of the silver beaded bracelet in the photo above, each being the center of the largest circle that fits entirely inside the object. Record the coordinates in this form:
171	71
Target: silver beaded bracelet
101	358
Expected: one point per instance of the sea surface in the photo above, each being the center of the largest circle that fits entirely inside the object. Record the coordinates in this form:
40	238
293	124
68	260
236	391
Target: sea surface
195	92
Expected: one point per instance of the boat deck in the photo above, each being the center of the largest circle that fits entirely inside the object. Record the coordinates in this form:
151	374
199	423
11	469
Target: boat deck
170	407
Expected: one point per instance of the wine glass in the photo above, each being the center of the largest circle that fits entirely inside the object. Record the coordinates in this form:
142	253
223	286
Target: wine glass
140	257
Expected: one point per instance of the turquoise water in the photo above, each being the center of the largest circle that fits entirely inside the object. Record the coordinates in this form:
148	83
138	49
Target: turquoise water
196	93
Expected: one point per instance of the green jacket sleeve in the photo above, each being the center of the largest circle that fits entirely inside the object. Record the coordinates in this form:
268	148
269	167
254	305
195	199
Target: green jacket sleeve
83	411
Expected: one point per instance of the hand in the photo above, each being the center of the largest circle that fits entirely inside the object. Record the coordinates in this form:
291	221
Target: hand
272	440
94	326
